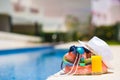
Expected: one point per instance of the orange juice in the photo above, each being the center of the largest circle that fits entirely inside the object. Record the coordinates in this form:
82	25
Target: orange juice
96	64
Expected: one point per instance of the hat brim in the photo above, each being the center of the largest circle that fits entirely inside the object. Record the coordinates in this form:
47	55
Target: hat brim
84	44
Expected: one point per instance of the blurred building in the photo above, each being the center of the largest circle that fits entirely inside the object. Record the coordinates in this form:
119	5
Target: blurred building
54	24
62	8
56	11
28	14
20	16
4	15
105	12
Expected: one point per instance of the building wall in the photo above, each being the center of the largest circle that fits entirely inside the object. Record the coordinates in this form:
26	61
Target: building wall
115	13
5	6
60	8
26	9
105	12
54	24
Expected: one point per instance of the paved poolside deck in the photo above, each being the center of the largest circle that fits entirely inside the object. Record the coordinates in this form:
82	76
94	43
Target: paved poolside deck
113	75
12	40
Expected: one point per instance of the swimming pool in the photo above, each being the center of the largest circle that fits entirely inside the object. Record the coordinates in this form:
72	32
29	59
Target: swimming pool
30	63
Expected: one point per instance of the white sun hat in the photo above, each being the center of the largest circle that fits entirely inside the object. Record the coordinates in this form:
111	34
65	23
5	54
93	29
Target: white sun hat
99	47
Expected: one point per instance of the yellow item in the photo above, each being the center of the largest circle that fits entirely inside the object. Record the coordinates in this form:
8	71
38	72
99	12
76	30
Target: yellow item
96	64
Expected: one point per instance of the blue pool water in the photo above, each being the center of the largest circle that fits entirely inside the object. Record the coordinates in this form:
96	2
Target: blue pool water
30	64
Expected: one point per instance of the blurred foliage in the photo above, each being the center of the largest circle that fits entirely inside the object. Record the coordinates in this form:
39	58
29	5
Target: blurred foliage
107	32
113	42
29	29
48	37
72	22
23	29
76	31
